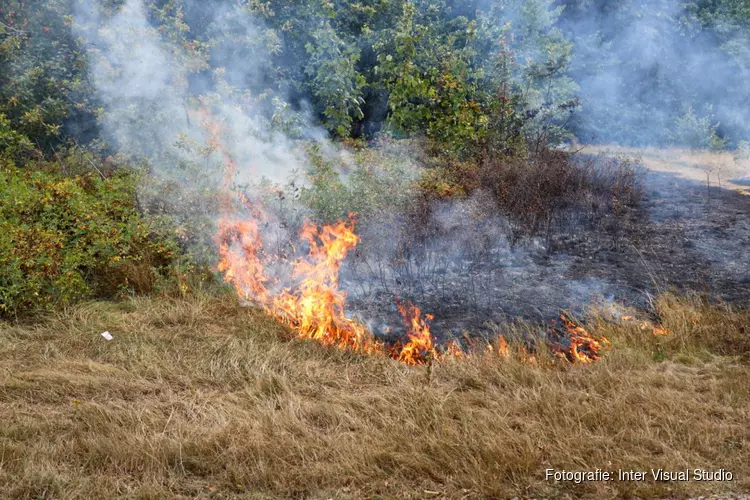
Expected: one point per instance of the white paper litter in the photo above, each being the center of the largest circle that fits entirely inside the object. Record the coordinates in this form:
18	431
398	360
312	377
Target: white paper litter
107	335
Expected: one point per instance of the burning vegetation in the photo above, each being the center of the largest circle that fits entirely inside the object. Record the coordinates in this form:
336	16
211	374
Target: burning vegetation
399	187
313	304
575	343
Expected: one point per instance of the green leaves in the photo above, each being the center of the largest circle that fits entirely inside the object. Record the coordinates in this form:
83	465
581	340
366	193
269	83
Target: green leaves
13	144
68	238
42	73
334	80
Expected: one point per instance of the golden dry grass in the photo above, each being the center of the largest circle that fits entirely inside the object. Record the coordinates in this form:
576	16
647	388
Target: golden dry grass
203	398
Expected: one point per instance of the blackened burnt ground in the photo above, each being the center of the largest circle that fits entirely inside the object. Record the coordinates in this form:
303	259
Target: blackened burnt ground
683	236
687	237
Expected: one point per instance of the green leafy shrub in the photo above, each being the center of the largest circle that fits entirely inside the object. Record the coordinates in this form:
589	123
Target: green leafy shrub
697	132
69	238
380	180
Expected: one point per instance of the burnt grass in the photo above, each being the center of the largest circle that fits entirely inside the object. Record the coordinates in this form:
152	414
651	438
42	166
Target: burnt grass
684	237
611	233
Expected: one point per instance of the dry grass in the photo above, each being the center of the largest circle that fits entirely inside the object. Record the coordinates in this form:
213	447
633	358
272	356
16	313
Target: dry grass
716	167
202	397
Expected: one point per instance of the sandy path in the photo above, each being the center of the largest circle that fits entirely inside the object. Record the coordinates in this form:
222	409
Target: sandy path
721	169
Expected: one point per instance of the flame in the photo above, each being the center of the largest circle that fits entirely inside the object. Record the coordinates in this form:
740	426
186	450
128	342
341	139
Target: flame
239	245
660	330
316	308
502	347
656	330
526	357
420	349
582	348
453	349
312	304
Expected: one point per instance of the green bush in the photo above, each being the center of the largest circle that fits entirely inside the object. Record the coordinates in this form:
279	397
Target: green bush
66	238
697	132
379	180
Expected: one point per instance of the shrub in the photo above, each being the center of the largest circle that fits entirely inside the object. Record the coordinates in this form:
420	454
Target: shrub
69	238
697	132
380	180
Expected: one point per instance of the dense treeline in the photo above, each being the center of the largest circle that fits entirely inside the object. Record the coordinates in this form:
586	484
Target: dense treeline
647	72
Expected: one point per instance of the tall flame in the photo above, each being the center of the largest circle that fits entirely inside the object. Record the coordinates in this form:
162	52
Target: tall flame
316	308
419	349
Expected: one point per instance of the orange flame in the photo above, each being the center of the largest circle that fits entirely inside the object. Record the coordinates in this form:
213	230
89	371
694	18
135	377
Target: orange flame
656	330
453	349
314	306
502	347
316	309
420	349
583	348
660	330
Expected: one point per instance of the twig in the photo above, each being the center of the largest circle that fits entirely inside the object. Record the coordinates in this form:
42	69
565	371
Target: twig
14	30
88	159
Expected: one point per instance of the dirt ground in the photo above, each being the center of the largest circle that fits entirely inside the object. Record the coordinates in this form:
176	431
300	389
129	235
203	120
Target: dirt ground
721	169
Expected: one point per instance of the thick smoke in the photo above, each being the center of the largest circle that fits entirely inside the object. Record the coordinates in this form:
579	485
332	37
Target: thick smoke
152	96
651	73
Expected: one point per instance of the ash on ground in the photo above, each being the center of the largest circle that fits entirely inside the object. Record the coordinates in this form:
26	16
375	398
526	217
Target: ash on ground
683	237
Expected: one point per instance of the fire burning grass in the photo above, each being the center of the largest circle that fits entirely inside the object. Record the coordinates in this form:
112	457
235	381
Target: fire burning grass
199	397
310	300
316	307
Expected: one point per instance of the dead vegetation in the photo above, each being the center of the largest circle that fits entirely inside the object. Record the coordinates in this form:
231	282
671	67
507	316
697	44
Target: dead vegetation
201	397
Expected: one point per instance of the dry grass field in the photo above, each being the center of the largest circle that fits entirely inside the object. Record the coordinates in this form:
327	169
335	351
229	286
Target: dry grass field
204	398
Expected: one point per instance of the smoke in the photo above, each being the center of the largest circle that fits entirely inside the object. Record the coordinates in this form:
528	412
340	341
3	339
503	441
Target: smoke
154	92
657	72
162	95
